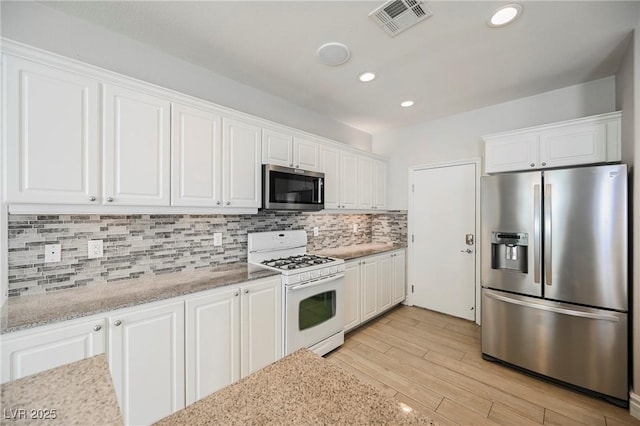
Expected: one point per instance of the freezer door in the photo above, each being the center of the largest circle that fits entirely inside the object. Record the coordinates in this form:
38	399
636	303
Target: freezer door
512	207
582	346
585	250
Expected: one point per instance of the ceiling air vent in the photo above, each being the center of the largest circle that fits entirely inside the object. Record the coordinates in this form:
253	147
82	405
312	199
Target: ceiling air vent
396	16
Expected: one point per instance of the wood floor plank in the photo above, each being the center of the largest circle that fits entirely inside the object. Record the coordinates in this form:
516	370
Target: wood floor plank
551	418
366	339
628	421
412	347
462	396
470	329
504	415
386	390
462	415
437	344
438	418
418	314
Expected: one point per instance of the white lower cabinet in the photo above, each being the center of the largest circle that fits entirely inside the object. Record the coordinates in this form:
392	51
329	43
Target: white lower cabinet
31	351
373	285
231	332
146	357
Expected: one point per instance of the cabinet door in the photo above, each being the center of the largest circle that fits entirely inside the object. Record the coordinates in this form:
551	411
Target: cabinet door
365	183
518	152
349	180
52	135
399	277
330	166
351	295
196	151
306	154
39	349
369	289
385	282
380	184
578	144
261	307
212	342
136	148
146	356
241	164
277	148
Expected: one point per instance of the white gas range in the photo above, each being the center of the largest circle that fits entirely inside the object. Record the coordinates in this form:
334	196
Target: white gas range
312	289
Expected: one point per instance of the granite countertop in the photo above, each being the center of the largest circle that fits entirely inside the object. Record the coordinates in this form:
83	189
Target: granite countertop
360	250
31	311
79	393
301	388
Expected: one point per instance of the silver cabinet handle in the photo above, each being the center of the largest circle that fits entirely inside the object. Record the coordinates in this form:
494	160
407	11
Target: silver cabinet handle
532	164
297	166
246	291
218	203
236	294
544	164
117	323
466	251
109	199
228	203
92	198
97	327
291	165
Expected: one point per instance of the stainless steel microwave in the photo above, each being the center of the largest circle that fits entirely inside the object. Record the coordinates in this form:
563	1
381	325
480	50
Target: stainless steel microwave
285	188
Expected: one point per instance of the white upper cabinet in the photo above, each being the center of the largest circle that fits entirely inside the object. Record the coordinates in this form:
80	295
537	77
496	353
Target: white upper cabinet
306	154
589	140
365	183
52	132
196	157
379	184
241	163
330	166
277	148
349	180
136	148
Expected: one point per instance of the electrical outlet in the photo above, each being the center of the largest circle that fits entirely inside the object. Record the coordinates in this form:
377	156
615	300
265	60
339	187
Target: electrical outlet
52	253
355	228
95	249
217	239
316	232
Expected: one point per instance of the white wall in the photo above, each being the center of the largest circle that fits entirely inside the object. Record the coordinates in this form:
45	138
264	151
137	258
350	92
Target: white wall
457	137
40	26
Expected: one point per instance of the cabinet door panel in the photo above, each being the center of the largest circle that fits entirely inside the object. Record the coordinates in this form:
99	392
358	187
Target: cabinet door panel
212	343
242	165
196	146
330	166
351	295
349	180
137	144
380	184
399	277
49	347
385	278
369	288
306	154
277	148
583	144
52	134
146	356
512	153
261	307
365	183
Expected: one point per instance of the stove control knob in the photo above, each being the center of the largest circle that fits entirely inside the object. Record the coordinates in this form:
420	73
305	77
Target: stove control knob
324	272
333	270
315	274
305	276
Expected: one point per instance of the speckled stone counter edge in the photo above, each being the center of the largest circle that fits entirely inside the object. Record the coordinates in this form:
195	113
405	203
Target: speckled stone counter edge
32	311
360	250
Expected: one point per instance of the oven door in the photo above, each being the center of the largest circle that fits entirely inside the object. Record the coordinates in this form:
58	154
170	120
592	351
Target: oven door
285	188
314	312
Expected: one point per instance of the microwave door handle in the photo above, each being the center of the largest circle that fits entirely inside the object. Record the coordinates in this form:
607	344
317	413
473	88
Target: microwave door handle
320	191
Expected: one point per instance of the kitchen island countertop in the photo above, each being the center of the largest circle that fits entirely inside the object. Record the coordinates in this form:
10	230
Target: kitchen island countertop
360	250
300	389
42	309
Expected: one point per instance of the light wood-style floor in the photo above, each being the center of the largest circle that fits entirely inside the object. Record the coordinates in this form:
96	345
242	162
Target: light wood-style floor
432	362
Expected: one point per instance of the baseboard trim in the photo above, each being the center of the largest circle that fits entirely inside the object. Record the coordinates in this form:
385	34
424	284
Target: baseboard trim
634	405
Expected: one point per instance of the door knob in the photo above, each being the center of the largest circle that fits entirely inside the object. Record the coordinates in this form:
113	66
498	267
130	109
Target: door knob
466	251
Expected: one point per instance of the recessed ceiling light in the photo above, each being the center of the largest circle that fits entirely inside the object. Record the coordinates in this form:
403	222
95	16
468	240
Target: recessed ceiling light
504	15
334	53
406	104
366	77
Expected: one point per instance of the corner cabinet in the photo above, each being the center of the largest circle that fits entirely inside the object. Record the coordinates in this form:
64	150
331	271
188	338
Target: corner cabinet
373	285
241	163
589	140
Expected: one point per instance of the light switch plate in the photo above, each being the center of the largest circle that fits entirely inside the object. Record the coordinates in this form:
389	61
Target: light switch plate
52	253
316	231
95	249
355	228
217	239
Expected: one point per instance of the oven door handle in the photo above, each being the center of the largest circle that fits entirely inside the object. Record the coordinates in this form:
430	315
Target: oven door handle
316	283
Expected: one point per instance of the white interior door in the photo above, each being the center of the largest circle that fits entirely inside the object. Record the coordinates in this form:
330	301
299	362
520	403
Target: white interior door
443	264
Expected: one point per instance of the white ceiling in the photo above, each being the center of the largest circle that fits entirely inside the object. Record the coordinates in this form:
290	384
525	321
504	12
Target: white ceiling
449	63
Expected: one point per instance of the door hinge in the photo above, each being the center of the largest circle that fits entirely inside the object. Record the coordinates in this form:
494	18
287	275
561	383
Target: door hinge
412	289
412	238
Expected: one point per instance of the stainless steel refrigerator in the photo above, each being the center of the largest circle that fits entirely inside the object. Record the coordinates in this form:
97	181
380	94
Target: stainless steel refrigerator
554	275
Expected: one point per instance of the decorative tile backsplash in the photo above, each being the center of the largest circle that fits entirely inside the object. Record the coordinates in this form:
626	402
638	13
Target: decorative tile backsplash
136	245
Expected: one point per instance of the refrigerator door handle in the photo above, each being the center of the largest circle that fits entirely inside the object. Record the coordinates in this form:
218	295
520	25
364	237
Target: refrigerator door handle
555	309
536	233
547	234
